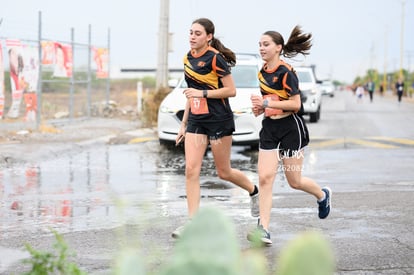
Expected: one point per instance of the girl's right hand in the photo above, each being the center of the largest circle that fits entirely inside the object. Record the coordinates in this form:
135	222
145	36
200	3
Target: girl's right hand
180	136
179	139
256	108
257	111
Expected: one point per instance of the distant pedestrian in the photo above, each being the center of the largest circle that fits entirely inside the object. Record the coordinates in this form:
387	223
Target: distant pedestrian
399	87
371	89
381	89
284	134
359	92
208	118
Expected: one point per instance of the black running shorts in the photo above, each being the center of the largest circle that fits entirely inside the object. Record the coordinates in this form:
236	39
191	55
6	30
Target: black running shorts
288	135
214	130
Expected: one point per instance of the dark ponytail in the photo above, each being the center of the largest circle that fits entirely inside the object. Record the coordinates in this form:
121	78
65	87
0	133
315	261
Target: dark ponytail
226	52
298	42
216	43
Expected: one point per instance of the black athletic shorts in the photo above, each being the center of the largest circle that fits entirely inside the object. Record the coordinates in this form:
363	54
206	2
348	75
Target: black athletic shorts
288	135
214	130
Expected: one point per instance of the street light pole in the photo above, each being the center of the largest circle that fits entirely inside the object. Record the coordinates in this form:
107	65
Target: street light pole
163	34
402	38
384	80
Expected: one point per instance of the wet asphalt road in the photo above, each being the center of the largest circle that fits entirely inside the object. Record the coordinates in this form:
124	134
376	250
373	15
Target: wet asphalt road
105	198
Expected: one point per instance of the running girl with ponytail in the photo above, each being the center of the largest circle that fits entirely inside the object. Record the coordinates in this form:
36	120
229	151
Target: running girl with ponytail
208	118
284	134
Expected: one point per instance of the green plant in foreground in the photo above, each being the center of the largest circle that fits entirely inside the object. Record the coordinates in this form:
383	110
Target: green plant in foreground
49	263
309	253
129	261
209	246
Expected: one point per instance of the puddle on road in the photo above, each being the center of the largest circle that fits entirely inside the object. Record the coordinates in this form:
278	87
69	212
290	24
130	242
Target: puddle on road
83	190
101	188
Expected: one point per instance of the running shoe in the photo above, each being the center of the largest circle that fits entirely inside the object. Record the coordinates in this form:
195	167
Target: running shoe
176	234
325	205
254	205
260	234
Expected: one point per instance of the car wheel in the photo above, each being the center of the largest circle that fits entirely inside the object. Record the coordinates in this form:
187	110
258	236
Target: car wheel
314	117
254	147
166	143
170	146
318	113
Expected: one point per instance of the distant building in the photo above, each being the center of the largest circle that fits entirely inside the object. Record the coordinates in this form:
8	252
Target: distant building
118	73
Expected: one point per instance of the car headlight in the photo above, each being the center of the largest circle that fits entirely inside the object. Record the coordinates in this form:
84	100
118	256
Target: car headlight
166	109
247	110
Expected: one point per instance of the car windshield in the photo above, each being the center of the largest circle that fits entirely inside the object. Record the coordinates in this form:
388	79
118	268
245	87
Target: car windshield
244	76
304	76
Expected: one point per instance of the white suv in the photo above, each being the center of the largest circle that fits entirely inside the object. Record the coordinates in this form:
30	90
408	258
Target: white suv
247	125
311	93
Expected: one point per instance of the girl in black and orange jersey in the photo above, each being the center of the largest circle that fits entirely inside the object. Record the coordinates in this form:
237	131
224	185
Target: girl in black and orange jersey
284	133
208	118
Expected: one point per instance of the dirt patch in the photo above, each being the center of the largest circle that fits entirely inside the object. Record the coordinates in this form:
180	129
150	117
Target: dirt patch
60	136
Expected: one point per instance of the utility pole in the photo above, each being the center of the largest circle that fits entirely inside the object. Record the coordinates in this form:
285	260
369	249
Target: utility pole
384	80
372	70
163	35
402	38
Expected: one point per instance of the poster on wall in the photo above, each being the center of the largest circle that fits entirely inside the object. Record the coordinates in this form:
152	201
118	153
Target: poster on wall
101	58
14	49
24	77
1	81
48	52
63	60
30	68
31	78
30	99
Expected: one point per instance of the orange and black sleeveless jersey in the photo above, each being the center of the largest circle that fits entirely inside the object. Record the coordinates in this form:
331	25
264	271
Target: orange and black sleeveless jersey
205	71
281	81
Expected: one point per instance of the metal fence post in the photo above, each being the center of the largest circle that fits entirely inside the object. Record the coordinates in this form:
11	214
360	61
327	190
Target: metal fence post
88	108
139	97
108	79
47	76
72	78
39	83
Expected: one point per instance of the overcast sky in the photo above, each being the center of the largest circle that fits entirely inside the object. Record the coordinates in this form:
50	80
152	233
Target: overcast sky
350	36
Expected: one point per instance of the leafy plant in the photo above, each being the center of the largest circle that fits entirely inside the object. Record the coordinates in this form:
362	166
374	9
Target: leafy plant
43	262
129	261
308	253
209	245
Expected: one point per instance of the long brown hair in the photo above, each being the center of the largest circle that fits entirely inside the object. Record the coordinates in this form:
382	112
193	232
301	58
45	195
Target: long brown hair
298	42
216	43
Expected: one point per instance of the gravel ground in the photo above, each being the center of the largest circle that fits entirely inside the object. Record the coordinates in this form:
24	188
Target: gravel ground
20	142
